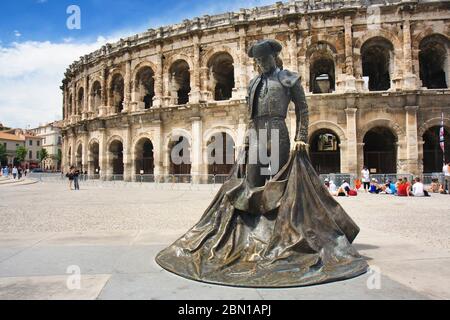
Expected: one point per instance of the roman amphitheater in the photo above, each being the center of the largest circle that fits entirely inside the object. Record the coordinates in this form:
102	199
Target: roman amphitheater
376	74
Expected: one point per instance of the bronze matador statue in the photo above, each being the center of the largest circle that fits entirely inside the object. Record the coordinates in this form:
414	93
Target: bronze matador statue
272	223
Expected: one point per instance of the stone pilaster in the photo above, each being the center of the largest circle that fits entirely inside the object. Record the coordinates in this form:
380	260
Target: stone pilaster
157	100
293	48
412	145
103	154
409	79
158	151
196	147
85	150
352	165
348	81
85	110
243	59
74	99
127	87
195	95
127	153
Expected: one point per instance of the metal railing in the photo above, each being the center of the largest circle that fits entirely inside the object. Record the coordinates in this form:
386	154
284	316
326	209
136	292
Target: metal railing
174	181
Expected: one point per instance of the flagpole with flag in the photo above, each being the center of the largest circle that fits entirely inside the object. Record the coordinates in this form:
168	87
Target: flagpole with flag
442	137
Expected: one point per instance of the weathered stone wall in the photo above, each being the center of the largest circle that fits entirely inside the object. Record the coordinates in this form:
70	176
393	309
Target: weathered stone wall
313	34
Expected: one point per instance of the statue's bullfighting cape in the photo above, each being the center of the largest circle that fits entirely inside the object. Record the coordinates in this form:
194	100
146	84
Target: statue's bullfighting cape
291	232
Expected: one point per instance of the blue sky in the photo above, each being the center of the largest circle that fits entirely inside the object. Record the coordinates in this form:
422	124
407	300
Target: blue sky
36	46
45	20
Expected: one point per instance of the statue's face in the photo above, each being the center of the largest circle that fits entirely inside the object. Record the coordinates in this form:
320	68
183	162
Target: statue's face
266	63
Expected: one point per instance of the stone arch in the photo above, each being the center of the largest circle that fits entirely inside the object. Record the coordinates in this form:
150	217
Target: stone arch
432	123
211	52
227	129
178	132
176	168
95	95
143	64
80	99
378	62
115	157
396	129
143	84
397	44
434	66
322	124
321	59
339	132
112	139
93	156
221	76
174	58
143	155
179	77
79	155
116	91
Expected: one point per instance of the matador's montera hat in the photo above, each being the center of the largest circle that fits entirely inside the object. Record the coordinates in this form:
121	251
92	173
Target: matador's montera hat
264	48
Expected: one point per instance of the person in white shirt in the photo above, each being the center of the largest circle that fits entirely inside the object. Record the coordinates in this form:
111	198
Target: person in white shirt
332	188
446	172
418	189
365	178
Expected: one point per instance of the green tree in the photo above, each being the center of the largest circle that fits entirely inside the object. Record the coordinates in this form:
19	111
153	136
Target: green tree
59	158
43	154
3	158
21	153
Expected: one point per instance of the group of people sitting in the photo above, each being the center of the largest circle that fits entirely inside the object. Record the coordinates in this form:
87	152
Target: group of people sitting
401	188
344	190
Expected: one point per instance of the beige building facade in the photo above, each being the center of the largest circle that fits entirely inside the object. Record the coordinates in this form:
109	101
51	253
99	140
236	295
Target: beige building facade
376	77
51	138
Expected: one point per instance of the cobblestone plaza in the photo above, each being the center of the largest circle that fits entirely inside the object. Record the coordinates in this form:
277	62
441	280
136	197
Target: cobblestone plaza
112	232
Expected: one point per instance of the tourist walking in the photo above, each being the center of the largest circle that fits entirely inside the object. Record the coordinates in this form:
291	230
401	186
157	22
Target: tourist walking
70	176
14	172
76	175
365	178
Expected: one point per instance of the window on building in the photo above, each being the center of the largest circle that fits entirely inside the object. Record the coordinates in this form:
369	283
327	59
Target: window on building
31	142
38	143
37	154
30	154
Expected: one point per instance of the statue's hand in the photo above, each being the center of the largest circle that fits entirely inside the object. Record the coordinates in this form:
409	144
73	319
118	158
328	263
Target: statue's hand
301	145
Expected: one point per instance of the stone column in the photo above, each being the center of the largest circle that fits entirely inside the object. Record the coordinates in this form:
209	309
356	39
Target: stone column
194	95
74	99
84	155
293	49
103	109
65	102
158	151
409	79
350	81
196	148
127	153
102	154
243	59
86	109
157	100
412	149
73	152
127	87
351	144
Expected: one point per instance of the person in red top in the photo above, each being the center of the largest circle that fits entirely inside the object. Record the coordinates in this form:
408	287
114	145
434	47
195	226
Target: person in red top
404	188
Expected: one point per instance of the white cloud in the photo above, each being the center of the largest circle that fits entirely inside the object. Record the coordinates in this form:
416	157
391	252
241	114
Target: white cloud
30	77
31	72
17	33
